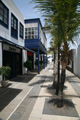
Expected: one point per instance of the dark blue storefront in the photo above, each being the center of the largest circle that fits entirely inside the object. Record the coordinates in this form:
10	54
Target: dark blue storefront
36	44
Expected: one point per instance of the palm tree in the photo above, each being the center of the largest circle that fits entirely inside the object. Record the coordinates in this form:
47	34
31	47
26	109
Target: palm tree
63	19
55	65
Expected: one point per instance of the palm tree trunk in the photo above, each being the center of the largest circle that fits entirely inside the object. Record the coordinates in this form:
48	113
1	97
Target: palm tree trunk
55	70
60	100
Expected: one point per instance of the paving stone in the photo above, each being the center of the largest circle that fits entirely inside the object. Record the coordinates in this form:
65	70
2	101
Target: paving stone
24	112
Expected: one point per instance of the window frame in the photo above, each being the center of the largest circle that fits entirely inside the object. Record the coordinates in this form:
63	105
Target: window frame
14	31
2	22
31	33
21	32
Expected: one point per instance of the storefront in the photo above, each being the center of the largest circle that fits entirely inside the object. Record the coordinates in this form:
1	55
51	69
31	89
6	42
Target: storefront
12	56
30	57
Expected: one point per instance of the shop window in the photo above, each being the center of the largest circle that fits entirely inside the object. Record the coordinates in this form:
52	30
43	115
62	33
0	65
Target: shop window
4	15
31	33
14	26
21	31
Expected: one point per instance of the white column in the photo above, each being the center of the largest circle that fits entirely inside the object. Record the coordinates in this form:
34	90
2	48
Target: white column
24	58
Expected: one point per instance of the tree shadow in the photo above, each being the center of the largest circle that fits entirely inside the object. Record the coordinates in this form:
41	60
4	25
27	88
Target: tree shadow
77	96
65	87
50	69
38	82
66	102
50	108
44	86
71	76
38	96
46	77
51	93
73	81
43	79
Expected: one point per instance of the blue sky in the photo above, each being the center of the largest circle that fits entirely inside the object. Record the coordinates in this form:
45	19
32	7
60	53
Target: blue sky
28	11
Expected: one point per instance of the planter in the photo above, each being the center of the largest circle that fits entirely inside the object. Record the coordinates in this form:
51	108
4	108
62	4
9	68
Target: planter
4	83
5	72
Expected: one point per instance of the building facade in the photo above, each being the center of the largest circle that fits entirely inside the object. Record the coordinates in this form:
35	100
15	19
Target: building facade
11	37
14	50
35	39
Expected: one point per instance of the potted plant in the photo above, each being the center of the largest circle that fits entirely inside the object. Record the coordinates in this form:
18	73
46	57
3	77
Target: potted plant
28	65
5	72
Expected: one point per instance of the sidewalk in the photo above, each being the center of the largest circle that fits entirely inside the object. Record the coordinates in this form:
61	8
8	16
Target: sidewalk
34	101
44	108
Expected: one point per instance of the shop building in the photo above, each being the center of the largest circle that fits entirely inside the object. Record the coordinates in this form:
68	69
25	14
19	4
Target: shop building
35	39
14	50
11	37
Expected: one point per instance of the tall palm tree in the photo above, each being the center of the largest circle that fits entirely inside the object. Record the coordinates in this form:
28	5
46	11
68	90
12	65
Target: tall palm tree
63	19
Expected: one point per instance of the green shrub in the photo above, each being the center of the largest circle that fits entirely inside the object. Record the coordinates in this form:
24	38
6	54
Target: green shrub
5	71
28	64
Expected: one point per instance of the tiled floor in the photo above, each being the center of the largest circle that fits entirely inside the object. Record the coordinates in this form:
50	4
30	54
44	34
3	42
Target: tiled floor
32	101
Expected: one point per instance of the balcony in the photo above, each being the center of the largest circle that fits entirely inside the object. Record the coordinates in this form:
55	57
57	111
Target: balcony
35	44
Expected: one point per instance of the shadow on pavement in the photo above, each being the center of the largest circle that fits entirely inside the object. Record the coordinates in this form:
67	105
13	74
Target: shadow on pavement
65	87
24	78
1	119
39	96
72	96
44	86
38	82
49	79
68	109
71	76
46	76
7	96
65	101
73	81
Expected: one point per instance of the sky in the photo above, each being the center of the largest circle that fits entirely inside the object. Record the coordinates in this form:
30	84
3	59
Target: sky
28	11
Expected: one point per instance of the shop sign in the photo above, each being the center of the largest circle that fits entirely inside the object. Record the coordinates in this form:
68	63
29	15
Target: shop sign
11	48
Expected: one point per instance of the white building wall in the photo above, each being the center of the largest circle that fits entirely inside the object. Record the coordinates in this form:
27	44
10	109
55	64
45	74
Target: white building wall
76	61
6	33
24	58
42	37
28	25
0	58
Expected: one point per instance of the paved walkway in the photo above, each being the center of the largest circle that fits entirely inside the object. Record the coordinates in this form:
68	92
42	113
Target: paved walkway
32	100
